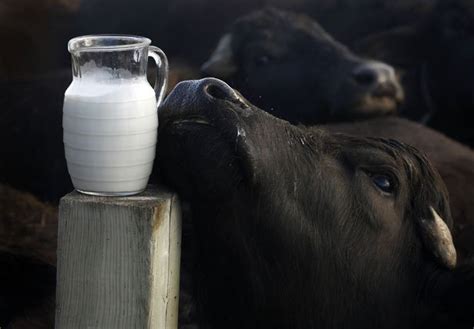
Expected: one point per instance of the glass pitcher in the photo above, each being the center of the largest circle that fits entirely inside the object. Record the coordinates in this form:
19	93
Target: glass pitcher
110	115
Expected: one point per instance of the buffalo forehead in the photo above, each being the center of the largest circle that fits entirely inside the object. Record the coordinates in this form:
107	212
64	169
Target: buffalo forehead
275	26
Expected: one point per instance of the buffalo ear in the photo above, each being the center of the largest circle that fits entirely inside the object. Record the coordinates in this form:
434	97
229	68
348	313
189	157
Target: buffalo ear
221	64
437	239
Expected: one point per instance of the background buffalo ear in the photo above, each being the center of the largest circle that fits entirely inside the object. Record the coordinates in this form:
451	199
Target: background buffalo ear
401	46
438	240
221	64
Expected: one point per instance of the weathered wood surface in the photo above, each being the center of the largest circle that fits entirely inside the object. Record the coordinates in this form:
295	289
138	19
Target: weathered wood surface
118	261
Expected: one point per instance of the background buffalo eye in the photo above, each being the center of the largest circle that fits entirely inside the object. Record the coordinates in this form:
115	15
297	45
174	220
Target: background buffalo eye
383	182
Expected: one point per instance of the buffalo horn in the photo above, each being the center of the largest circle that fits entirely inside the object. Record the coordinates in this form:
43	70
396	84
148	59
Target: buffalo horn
221	63
437	238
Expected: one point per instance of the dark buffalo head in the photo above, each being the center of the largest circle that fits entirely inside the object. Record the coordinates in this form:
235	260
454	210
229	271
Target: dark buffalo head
300	228
289	66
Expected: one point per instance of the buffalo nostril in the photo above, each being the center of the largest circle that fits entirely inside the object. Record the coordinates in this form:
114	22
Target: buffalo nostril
218	90
365	76
378	79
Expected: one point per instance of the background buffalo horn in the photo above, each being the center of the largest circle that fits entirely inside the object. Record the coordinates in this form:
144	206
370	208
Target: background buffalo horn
437	238
221	64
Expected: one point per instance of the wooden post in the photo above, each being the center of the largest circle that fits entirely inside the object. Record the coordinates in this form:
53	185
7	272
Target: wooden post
118	261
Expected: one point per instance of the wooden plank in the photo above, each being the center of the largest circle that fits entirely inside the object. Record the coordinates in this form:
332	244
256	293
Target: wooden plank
118	261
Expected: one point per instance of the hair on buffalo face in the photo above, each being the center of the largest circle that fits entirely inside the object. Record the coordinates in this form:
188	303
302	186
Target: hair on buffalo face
298	227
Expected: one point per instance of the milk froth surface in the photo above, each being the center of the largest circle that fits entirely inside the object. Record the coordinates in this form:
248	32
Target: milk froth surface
110	91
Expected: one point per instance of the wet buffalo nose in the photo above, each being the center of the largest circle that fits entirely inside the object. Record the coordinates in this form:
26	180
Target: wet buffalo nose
378	78
216	89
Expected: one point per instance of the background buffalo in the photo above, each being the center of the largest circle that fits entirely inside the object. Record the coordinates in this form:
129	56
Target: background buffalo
291	67
279	59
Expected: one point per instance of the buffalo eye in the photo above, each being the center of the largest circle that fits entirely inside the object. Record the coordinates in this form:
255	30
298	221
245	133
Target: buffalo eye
383	182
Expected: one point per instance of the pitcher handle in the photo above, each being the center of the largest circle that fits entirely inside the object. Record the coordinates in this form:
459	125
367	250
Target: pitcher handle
161	72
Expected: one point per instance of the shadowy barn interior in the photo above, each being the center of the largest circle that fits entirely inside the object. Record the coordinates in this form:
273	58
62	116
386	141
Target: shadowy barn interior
314	168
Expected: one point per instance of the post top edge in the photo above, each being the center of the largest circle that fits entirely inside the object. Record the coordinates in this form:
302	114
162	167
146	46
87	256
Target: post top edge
152	195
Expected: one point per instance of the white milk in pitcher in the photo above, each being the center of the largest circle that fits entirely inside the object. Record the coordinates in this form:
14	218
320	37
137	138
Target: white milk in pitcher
110	131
